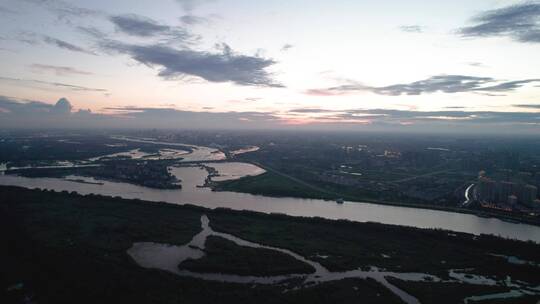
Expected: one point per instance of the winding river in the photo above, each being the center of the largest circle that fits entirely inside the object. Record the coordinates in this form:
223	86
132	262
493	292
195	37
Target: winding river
169	257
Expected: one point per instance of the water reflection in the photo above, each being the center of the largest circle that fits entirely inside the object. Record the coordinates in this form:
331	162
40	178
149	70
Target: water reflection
168	257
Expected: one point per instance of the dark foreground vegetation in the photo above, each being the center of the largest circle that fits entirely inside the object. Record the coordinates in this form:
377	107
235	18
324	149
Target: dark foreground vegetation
224	256
67	248
343	245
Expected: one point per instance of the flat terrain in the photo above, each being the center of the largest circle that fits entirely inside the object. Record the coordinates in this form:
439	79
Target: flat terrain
67	248
272	184
223	256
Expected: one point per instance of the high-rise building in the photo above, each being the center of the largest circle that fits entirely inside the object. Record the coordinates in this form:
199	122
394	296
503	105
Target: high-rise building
528	194
512	200
487	189
505	189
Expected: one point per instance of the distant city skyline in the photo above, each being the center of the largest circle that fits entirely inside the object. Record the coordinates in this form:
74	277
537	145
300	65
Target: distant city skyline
419	66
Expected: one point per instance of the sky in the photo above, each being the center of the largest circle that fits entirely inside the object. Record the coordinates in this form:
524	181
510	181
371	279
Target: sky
463	66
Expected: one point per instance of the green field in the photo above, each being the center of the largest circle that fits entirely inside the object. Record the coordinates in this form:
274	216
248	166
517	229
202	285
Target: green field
271	184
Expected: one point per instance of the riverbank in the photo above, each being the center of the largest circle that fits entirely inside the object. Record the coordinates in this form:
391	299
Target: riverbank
275	185
192	193
78	245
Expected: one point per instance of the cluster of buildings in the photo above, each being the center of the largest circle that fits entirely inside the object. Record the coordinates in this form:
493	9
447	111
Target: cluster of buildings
506	193
148	174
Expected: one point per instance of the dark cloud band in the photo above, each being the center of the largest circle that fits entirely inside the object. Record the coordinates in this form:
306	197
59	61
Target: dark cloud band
434	84
225	66
520	22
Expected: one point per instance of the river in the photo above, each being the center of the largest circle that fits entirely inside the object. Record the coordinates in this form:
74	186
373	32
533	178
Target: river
361	212
170	257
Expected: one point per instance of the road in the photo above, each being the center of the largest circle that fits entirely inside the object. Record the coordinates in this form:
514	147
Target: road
419	176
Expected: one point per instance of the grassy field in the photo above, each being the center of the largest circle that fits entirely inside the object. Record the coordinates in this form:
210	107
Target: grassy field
67	248
271	184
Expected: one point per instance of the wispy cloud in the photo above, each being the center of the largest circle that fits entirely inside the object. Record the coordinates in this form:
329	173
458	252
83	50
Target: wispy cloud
476	64
137	25
441	83
141	26
398	116
190	5
412	28
520	22
58	70
64	9
312	110
92	32
325	92
528	106
33	38
49	84
286	47
65	45
193	19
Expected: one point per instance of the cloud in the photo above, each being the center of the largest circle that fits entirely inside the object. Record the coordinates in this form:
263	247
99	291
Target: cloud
35	114
18	107
34	39
476	64
393	116
520	22
312	110
92	32
324	92
286	47
193	20
474	117
62	106
412	28
528	106
58	70
6	10
508	86
441	83
190	5
136	25
225	66
48	84
65	45
65	10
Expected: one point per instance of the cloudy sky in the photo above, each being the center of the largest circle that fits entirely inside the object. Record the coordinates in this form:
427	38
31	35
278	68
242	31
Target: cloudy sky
352	64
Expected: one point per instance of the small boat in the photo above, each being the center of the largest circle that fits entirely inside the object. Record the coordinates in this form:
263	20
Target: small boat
339	201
